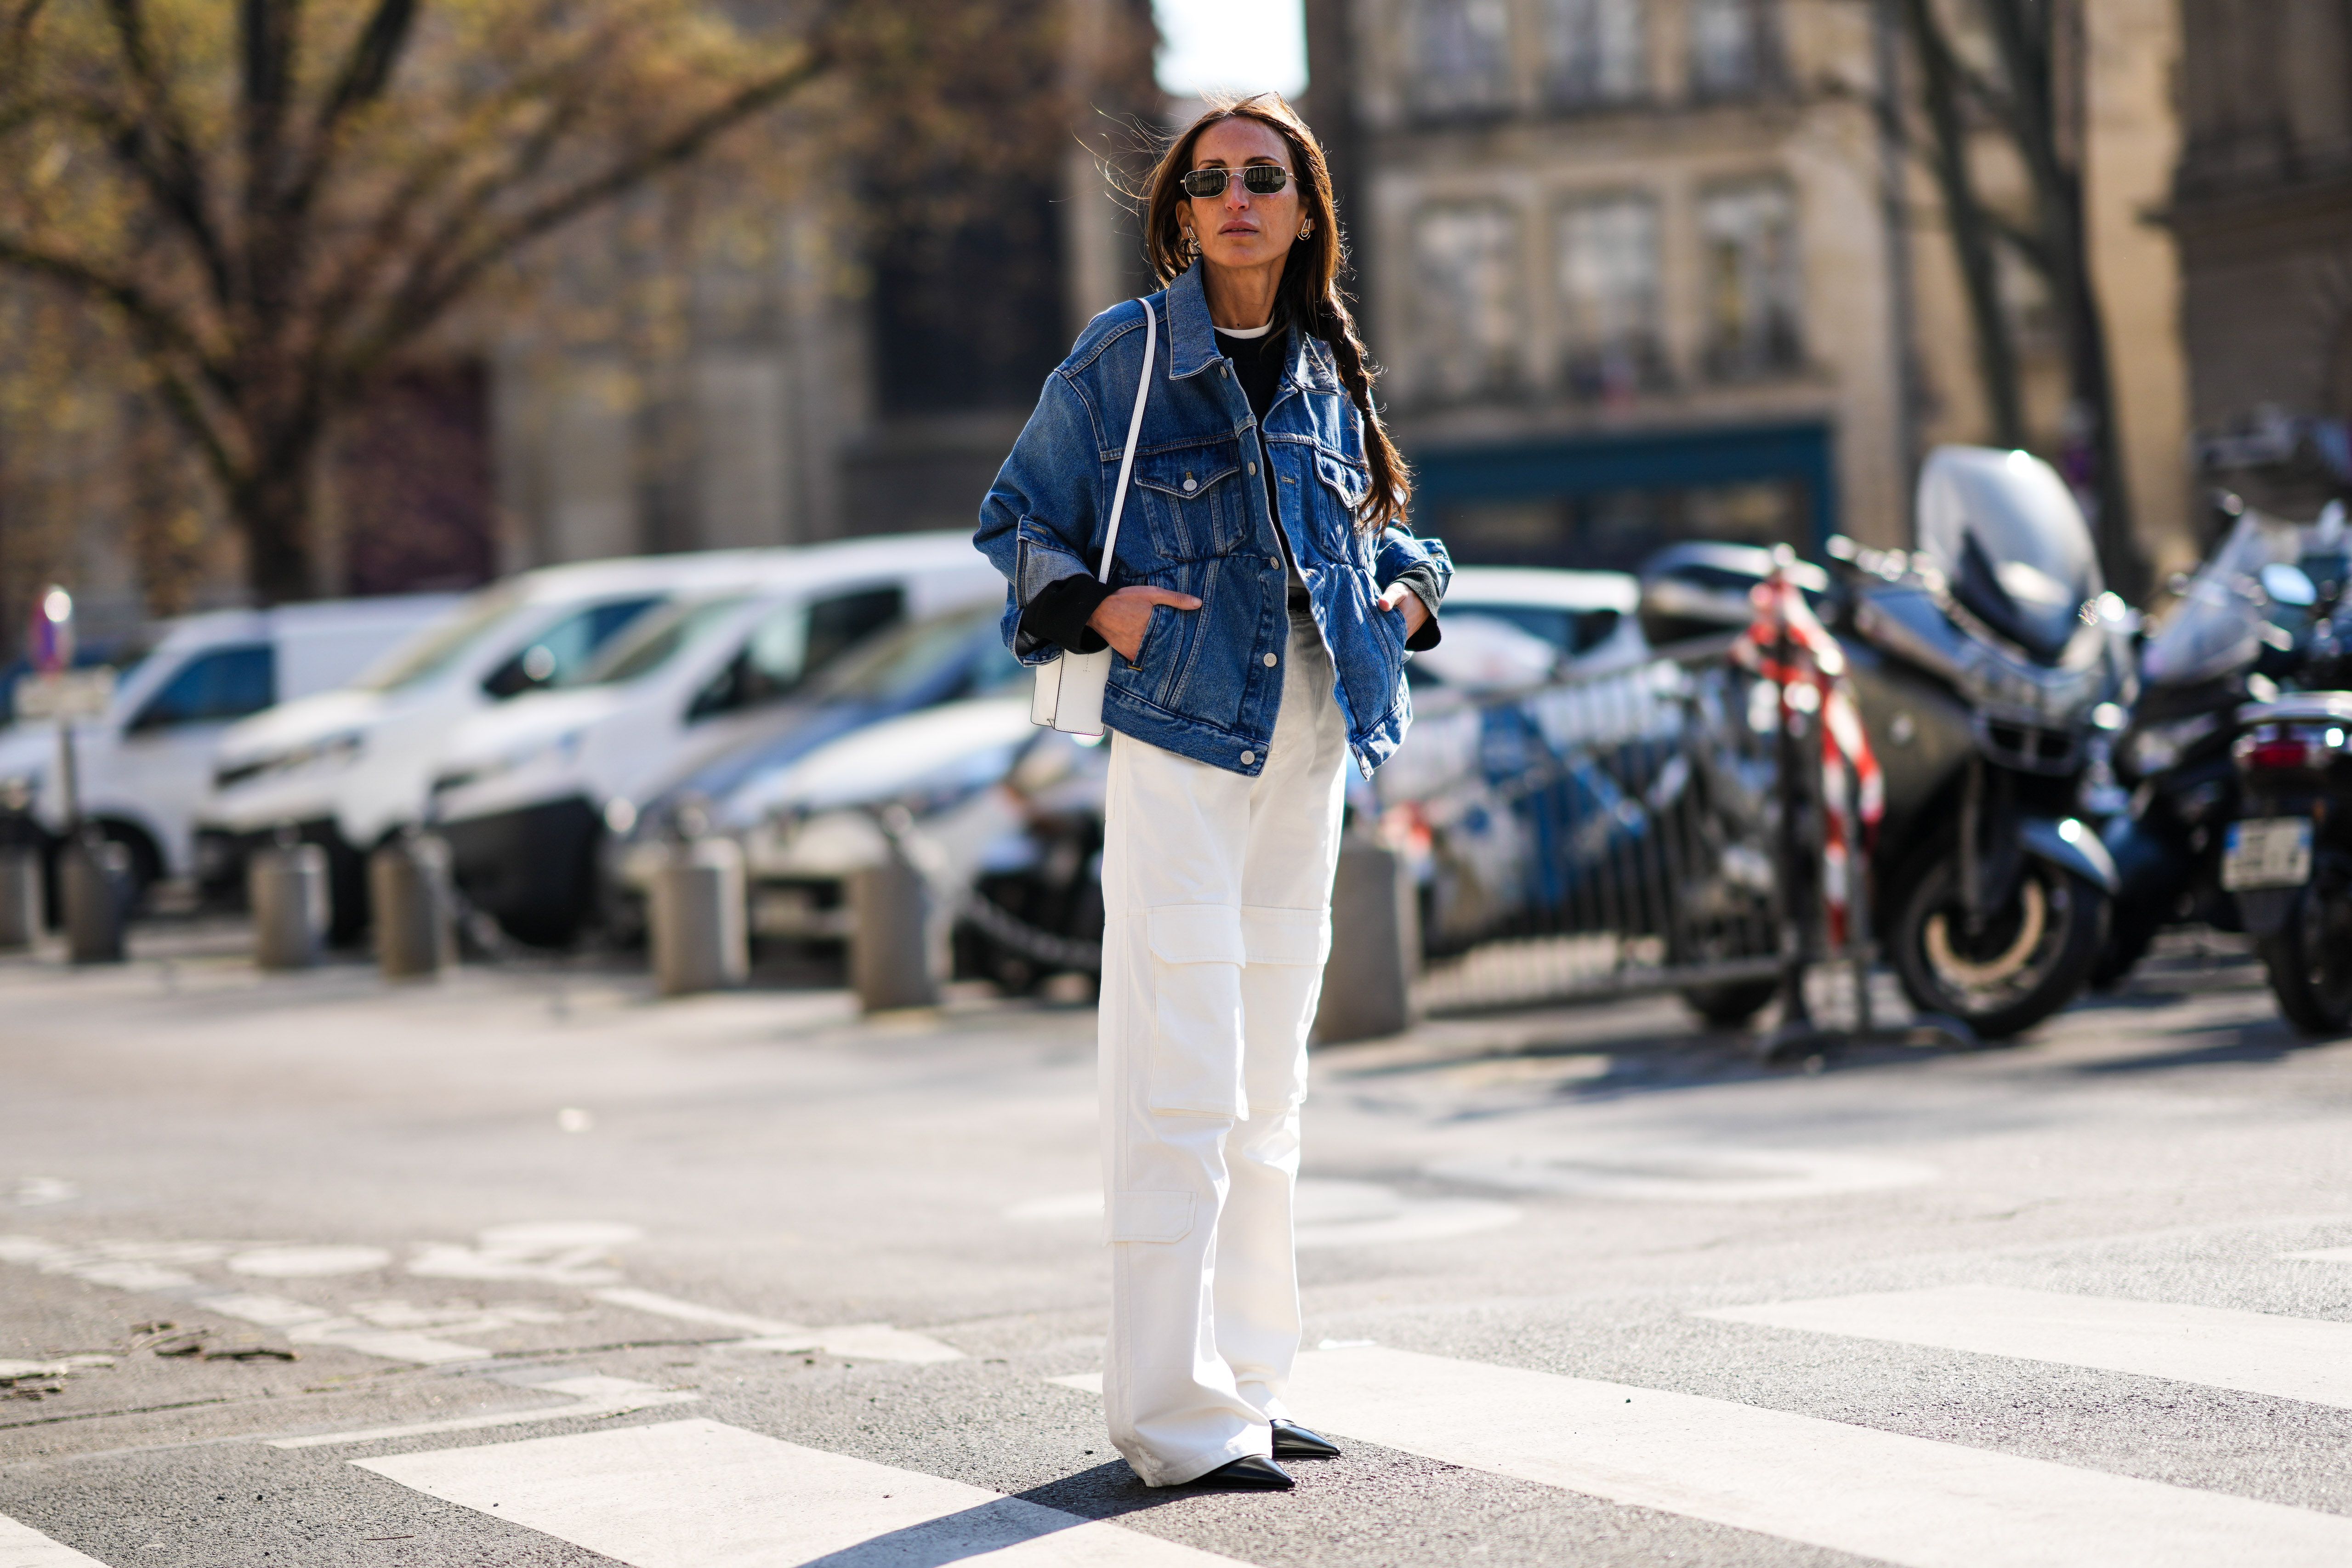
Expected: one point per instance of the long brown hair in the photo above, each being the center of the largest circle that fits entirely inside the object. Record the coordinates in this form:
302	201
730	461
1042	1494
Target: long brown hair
1308	295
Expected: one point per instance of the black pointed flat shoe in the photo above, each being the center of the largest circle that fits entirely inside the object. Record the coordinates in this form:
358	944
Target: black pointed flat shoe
1292	1441
1248	1473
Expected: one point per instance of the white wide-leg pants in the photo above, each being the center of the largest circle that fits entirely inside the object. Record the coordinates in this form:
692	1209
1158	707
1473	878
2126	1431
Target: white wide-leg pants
1217	892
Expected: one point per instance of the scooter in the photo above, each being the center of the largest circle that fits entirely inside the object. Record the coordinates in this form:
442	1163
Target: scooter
2288	858
1985	662
2230	641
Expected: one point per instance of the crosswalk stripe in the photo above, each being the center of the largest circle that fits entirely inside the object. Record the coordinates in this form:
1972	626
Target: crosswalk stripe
873	1341
1903	1500
701	1494
22	1546
589	1396
2254	1353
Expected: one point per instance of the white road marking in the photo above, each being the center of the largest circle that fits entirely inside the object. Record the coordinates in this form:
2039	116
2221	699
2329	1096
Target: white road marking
551	1252
2254	1353
22	1546
1330	1213
1903	1500
306	1324
874	1341
308	1262
591	1397
34	1191
1084	1381
2323	1254
699	1494
1698	1173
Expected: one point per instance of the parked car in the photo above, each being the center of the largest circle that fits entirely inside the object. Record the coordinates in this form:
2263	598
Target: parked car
348	768
1521	626
944	659
526	793
144	769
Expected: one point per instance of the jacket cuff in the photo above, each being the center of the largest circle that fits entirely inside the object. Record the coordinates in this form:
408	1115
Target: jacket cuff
1059	613
1422	581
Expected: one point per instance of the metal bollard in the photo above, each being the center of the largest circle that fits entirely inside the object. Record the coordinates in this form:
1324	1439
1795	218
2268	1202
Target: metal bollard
415	914
890	941
700	919
1375	948
94	885
287	886
20	896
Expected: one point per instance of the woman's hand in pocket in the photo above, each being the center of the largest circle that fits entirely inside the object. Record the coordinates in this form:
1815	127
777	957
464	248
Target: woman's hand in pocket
1399	600
1126	615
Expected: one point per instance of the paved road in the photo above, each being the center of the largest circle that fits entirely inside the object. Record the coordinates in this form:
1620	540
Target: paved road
575	1277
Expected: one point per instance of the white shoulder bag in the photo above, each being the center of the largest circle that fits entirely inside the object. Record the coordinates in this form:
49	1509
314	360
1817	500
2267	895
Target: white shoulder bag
1069	693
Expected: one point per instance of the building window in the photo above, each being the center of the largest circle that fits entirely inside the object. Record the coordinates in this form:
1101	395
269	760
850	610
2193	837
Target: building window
1593	51
1468	324
1609	297
1462	56
1753	281
1733	48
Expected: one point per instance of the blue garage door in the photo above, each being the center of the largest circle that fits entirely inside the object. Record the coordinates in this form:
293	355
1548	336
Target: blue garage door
1608	501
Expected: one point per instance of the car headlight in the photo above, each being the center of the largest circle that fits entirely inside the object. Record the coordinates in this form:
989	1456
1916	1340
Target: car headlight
339	750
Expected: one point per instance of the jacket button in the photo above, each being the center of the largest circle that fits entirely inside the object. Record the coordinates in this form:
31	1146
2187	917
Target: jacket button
1274	562
1252	467
1248	758
1271	661
1191	484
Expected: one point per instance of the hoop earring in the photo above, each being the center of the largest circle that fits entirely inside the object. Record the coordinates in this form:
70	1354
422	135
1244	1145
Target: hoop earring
1306	228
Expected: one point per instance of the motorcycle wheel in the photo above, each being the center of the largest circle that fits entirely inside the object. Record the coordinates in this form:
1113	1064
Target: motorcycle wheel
2032	958
2128	940
2310	962
1731	1004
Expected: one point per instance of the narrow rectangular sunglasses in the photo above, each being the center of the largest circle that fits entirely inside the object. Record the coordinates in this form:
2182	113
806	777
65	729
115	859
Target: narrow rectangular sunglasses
1257	179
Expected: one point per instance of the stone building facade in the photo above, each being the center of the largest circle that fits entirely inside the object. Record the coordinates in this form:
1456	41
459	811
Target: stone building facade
1649	269
2262	202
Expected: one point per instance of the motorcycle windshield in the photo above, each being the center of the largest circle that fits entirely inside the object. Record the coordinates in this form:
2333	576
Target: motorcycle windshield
2011	544
2215	629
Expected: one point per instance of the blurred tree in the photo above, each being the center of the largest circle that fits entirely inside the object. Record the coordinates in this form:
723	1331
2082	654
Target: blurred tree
2014	70
275	200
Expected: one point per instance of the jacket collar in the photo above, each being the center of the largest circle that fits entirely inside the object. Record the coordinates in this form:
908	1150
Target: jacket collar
1192	336
1192	339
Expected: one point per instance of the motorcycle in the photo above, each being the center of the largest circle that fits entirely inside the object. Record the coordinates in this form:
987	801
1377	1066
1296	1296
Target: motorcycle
1987	662
2228	641
2288	858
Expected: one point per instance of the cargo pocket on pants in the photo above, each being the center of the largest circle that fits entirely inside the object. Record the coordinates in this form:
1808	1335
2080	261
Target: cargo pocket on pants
1286	949
1151	1216
1196	1025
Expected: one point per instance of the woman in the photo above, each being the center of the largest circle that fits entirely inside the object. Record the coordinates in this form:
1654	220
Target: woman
1261	601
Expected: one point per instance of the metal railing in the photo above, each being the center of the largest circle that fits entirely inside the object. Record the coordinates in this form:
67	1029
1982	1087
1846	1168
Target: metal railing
1657	827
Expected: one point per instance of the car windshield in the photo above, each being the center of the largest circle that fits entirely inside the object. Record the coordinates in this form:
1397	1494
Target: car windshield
441	644
655	643
2212	631
899	664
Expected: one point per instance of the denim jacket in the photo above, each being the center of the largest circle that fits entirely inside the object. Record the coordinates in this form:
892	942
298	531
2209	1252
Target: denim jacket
1205	683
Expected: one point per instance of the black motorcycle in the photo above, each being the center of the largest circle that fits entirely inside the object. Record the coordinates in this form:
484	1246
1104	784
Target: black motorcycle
1985	661
2288	856
2228	639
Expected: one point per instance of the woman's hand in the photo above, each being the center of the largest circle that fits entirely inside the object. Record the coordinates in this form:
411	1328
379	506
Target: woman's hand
1400	600
1126	615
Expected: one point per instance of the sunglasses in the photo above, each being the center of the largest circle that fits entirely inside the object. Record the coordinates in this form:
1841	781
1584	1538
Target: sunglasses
1257	179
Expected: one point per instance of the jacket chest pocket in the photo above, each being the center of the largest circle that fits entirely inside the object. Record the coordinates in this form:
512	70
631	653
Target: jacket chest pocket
1194	500
1339	490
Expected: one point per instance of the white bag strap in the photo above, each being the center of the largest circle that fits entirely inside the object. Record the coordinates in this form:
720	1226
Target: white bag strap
1134	429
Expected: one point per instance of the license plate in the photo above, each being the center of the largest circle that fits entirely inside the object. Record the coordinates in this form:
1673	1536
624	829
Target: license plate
2268	852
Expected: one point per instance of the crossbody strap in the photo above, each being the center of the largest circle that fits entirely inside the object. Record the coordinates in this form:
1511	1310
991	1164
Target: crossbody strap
1134	429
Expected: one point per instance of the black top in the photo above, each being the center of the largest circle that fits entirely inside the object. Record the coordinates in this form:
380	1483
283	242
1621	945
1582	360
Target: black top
1059	613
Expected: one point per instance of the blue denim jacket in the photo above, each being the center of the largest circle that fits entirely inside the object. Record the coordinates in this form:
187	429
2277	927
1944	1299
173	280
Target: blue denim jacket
1205	683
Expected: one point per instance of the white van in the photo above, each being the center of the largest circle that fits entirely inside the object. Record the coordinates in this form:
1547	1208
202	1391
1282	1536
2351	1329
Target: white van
142	770
348	768
525	793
